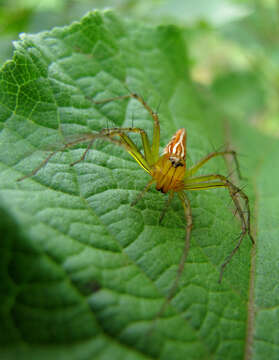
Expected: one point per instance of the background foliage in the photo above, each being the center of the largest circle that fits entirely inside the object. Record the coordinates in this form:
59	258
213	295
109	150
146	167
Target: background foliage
83	274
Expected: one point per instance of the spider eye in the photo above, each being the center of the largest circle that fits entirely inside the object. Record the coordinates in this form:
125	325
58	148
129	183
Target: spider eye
175	162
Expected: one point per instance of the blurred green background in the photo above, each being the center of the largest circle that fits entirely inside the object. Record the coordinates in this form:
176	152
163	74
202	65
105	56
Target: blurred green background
233	44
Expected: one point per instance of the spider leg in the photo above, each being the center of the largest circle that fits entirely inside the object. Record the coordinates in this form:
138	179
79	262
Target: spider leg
125	141
130	146
167	204
42	164
214	181
156	127
90	145
189	224
79	139
193	169
141	194
106	134
145	142
84	154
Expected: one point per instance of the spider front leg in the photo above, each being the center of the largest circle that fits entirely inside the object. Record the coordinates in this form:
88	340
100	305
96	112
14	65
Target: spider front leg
79	139
151	153
144	161
215	181
84	154
154	149
109	135
126	141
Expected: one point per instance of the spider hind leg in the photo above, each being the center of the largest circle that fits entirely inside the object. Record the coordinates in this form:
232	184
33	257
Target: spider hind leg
245	222
242	208
165	209
188	229
141	194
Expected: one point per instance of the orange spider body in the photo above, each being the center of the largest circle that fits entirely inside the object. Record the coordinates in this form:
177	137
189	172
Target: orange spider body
169	170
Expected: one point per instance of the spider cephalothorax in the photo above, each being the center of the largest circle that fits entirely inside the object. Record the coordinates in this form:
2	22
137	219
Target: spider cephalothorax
169	170
169	173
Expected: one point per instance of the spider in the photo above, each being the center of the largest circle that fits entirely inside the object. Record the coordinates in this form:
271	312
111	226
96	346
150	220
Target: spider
169	174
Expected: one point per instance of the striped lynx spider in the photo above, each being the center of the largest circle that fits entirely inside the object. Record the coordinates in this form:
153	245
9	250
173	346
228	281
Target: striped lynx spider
169	174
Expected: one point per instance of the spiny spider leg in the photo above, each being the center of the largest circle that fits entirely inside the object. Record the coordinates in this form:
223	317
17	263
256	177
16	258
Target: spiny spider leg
193	169
120	132
106	134
143	161
189	224
188	228
141	194
156	131
83	138
167	204
84	154
204	183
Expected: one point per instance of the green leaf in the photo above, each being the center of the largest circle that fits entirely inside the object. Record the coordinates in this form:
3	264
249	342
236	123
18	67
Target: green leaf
83	275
